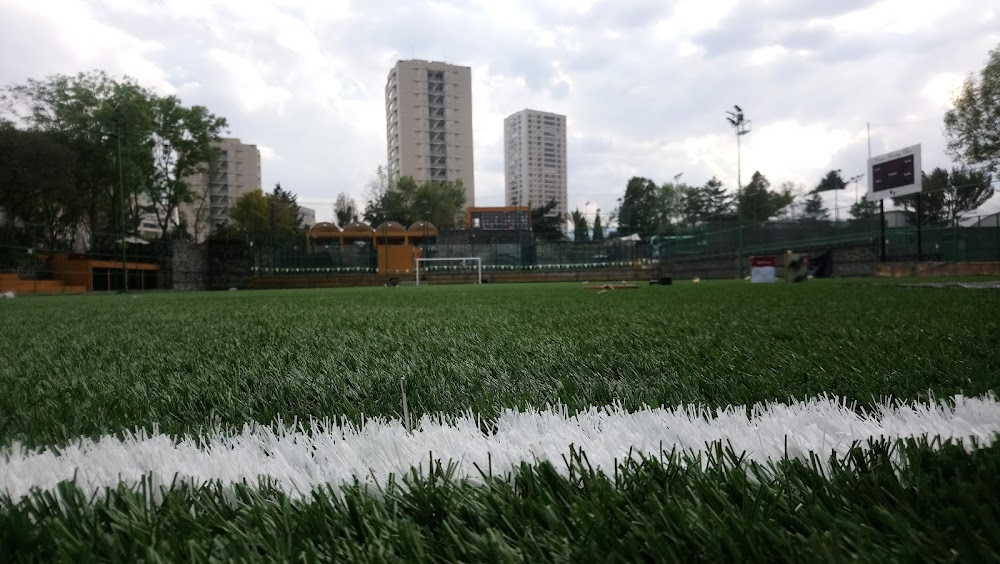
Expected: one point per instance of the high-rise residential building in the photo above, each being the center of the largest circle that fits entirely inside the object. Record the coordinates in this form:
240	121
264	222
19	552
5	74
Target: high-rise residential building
307	216
535	160
235	172
428	110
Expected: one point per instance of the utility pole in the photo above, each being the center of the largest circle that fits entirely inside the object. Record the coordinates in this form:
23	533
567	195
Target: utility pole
741	127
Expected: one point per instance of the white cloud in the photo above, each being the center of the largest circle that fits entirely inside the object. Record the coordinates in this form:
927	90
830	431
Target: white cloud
942	88
766	54
247	84
268	154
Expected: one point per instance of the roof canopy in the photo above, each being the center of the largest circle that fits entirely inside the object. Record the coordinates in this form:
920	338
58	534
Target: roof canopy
422	229
358	229
391	228
324	229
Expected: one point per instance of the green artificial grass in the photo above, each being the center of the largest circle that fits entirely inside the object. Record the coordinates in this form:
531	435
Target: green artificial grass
938	506
91	365
76	366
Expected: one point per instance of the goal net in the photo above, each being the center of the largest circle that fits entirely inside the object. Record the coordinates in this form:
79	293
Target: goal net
449	268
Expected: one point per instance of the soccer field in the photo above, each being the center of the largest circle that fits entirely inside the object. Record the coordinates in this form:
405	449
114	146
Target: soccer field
718	420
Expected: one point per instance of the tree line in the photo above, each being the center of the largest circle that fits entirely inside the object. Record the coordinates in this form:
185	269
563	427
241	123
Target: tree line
93	155
266	218
973	134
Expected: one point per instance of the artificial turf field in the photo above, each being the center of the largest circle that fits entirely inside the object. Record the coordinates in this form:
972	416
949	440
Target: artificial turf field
79	368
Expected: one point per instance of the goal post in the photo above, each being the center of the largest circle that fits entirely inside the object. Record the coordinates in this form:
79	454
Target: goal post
434	264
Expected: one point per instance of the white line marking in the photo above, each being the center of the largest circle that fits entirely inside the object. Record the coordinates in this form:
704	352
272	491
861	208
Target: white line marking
298	461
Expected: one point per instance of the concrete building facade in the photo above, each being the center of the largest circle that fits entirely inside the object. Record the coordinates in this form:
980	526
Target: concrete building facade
428	109
535	160
235	172
307	216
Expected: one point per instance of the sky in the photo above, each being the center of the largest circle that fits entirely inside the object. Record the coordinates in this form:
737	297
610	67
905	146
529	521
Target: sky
644	84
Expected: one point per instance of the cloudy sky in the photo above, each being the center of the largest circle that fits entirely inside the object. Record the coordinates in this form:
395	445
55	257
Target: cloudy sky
644	84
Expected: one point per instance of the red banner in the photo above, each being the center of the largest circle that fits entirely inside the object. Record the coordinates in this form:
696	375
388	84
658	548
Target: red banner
762	261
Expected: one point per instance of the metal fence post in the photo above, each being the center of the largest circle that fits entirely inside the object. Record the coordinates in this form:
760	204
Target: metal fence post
954	236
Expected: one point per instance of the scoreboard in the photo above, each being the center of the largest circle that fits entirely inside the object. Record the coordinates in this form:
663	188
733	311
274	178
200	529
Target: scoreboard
894	174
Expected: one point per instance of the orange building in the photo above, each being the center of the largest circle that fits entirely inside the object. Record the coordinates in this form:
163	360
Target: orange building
396	247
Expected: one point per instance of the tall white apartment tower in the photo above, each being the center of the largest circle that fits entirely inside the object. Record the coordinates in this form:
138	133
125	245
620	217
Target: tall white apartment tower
428	110
235	172
535	159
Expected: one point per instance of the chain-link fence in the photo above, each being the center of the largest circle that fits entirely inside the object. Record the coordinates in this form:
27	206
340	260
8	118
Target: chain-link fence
34	260
30	263
511	251
971	239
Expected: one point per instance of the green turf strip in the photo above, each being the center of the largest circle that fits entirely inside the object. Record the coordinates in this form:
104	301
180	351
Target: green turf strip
939	504
92	365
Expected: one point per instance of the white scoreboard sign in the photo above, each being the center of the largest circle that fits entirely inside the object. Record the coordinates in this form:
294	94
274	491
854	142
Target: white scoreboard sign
894	174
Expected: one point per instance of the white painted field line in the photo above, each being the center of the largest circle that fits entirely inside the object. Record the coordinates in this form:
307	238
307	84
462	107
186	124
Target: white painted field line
299	461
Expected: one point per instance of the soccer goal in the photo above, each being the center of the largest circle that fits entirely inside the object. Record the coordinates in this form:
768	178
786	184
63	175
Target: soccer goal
453	265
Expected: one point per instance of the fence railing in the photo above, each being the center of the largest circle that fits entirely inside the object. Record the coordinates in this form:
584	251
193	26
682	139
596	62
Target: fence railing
972	239
968	240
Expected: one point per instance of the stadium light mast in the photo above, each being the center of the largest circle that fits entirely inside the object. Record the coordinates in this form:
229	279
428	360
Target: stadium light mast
855	179
741	126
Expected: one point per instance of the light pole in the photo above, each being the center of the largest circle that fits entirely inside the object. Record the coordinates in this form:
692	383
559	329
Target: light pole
741	127
119	127
836	209
855	179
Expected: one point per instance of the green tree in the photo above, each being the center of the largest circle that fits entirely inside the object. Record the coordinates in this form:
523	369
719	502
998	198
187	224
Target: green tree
706	203
580	229
967	190
931	199
972	126
37	188
795	191
118	131
815	209
406	202
864	209
693	205
384	200
638	210
598	236
183	142
345	210
283	213
947	196
251	215
668	206
832	181
545	224
757	203
82	113
440	203
268	217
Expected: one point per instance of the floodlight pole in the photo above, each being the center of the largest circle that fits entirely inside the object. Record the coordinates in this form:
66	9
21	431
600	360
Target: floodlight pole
836	209
855	179
119	127
742	127
881	202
